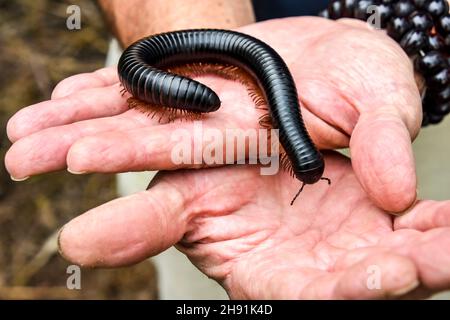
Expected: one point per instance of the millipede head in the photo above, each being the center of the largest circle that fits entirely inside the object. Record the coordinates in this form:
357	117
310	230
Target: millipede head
303	186
310	176
310	172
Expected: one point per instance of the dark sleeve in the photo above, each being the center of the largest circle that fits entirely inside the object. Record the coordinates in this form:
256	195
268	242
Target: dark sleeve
270	9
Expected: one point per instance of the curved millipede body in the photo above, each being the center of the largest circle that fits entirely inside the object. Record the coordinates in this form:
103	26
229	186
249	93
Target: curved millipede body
141	75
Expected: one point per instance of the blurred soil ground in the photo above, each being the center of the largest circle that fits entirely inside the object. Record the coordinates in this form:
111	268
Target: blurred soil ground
36	52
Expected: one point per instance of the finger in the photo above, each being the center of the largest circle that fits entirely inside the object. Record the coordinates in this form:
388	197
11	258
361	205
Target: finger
329	130
329	138
431	256
383	160
384	275
86	104
100	78
377	276
126	230
355	23
132	150
46	150
425	215
168	146
368	273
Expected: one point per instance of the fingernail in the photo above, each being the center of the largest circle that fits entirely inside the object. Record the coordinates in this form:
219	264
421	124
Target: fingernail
405	212
76	172
59	243
19	179
408	288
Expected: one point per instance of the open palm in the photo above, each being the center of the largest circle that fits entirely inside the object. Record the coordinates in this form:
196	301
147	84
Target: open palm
357	88
352	81
237	227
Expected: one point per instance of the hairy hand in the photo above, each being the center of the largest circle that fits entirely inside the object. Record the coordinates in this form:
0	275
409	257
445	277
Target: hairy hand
356	86
237	227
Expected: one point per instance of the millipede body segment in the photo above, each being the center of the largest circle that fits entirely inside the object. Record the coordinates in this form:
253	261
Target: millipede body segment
140	72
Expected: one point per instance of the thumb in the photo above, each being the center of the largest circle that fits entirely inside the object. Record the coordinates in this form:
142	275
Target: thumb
383	160
126	230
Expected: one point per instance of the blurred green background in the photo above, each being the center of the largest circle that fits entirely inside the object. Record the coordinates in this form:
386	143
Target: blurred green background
36	52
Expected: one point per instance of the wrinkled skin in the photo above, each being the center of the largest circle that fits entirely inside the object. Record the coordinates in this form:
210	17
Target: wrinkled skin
237	227
357	88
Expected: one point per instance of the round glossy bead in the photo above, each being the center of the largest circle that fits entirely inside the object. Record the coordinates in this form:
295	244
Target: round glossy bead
447	42
437	8
348	7
440	108
435	118
421	21
443	25
335	9
397	27
385	12
444	95
324	14
414	41
361	9
432	62
444	108
419	3
404	8
438	80
435	42
440	96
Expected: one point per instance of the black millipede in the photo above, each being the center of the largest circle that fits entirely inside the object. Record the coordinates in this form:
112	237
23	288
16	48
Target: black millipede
140	72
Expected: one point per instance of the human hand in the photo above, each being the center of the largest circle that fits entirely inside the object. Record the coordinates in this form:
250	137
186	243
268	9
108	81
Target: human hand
238	228
356	85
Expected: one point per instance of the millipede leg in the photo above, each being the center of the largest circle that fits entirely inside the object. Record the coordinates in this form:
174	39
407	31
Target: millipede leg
298	193
163	114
